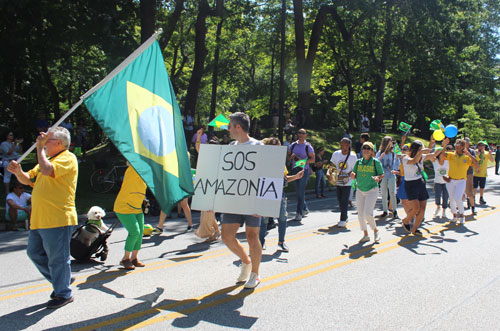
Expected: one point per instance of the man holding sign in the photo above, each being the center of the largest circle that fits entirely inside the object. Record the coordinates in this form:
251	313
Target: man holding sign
239	125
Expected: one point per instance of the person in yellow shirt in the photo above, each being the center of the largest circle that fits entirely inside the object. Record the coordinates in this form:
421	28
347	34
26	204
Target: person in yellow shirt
128	209
53	210
480	172
460	160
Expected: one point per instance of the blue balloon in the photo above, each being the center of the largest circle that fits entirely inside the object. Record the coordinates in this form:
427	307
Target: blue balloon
450	131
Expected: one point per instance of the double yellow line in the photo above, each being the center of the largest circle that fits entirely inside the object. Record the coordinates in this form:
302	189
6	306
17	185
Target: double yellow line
320	267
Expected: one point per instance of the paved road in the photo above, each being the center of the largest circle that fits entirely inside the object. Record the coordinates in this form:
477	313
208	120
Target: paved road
447	280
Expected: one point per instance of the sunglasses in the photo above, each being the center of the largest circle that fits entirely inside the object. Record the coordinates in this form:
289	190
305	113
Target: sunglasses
301	132
367	148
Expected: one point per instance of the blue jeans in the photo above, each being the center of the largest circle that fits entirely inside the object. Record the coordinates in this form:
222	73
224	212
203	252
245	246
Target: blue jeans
50	252
343	193
320	182
281	224
441	191
300	188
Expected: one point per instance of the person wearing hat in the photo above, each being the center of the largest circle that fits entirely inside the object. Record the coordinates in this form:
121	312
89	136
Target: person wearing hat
480	172
368	172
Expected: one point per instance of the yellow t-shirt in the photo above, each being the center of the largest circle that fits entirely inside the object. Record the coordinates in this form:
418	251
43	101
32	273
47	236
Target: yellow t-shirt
482	159
458	165
53	198
132	193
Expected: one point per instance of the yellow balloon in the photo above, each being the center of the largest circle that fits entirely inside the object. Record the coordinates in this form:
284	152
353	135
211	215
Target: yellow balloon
438	135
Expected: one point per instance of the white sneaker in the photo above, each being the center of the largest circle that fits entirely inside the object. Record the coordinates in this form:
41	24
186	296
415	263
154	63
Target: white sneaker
443	215
253	281
462	220
436	212
244	272
377	237
298	218
342	224
454	219
364	239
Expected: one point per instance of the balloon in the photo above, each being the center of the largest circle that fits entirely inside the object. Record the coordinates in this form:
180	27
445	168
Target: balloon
450	131
148	229
438	135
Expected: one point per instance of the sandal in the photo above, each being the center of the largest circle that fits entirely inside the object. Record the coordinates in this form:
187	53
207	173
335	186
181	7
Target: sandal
127	264
138	263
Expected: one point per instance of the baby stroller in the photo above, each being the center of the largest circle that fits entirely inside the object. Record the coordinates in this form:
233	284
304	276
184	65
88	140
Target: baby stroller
89	240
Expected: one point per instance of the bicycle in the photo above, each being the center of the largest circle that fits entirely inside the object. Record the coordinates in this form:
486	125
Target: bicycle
103	180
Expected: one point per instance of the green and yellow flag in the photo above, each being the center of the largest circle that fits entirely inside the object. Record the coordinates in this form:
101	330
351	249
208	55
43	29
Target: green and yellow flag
138	111
220	122
405	127
300	163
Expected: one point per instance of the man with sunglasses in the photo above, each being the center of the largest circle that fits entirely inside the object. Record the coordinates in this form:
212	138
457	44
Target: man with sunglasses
301	150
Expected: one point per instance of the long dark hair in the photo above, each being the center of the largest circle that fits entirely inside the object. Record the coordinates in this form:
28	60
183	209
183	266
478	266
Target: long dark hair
414	147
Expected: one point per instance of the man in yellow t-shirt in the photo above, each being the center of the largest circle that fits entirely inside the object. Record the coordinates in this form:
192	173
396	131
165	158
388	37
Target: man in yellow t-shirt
53	210
460	161
480	172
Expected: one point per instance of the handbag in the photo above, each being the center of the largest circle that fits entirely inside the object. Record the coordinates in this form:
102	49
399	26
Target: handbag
334	176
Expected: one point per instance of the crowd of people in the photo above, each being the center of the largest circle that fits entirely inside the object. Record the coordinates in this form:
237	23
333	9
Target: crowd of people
359	171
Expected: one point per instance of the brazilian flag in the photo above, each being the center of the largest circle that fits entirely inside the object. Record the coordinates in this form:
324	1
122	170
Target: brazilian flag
300	163
138	111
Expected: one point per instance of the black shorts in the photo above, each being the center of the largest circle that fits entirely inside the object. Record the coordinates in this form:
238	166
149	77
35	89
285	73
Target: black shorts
479	182
415	190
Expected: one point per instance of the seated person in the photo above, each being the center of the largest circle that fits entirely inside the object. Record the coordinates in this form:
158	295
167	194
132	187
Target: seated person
17	206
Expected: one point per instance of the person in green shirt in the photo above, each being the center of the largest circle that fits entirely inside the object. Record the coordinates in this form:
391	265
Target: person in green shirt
368	172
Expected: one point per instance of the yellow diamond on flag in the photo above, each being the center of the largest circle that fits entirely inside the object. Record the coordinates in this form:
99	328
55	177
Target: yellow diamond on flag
152	126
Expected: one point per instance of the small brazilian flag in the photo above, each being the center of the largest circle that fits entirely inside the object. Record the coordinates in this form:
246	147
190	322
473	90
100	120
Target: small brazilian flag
405	127
138	111
220	122
397	150
300	163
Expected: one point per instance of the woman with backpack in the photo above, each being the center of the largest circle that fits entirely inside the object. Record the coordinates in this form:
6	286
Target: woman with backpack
368	173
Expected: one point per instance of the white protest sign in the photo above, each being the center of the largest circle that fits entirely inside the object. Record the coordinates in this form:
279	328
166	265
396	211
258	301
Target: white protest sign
240	179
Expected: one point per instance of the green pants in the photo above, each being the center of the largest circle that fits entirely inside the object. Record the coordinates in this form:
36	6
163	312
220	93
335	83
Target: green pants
134	223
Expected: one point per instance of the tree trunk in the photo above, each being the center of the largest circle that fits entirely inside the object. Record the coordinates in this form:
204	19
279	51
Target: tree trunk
215	74
382	64
201	52
147	13
52	88
169	29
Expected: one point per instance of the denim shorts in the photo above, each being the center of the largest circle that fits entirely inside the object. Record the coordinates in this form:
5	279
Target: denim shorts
249	220
415	190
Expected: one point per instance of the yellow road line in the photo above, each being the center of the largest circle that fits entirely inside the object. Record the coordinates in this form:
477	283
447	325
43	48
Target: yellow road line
364	252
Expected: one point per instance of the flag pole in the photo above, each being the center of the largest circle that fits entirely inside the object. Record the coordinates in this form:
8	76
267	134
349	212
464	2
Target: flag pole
106	79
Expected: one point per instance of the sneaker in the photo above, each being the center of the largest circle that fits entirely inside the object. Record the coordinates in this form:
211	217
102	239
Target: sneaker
377	237
244	272
298	218
395	214
157	230
436	212
462	220
127	264
253	281
350	204
342	224
474	211
53	294
481	201
58	302
283	247
384	214
417	232
189	228
306	212
407	227
364	239
454	219
443	215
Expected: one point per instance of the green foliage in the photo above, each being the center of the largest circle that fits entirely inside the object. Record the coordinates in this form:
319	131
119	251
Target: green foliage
472	124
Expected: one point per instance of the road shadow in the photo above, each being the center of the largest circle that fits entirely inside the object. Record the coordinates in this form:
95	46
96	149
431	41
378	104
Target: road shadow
276	256
97	282
146	303
25	318
193	248
359	250
332	230
78	265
